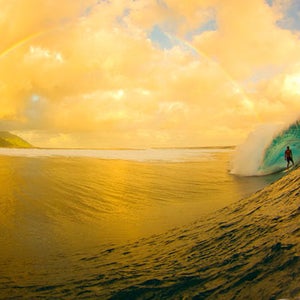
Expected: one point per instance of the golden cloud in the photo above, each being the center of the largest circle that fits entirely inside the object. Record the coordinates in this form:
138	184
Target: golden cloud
89	74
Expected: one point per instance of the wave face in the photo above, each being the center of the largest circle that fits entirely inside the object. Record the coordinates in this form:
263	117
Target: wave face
263	151
273	159
249	250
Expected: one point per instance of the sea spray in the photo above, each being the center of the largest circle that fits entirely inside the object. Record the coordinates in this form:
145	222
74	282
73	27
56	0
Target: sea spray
249	155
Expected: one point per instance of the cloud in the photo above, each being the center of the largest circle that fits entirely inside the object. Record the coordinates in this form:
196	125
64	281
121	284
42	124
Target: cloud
249	38
88	74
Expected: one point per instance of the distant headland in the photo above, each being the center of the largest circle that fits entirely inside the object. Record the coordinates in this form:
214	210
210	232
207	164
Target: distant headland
9	140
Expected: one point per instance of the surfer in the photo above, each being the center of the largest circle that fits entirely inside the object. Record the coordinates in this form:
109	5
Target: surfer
288	155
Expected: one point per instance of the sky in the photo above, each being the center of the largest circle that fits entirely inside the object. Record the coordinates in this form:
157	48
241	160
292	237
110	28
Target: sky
141	73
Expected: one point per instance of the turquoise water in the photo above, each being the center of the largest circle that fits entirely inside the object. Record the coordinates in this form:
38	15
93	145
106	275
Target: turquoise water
274	154
72	220
263	151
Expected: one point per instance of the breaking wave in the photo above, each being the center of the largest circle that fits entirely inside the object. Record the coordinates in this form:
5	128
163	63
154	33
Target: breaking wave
273	155
263	151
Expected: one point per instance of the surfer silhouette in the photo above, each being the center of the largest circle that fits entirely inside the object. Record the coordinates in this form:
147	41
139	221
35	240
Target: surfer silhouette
288	155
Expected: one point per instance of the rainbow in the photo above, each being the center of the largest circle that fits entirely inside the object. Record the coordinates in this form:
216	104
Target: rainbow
238	89
21	42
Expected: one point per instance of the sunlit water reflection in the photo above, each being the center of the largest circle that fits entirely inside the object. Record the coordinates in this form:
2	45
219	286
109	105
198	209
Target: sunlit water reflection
53	207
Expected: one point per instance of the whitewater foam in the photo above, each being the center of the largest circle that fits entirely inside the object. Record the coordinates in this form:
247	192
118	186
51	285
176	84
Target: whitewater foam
142	155
249	155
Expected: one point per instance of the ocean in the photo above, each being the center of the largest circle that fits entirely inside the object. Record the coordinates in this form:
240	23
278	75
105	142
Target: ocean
142	224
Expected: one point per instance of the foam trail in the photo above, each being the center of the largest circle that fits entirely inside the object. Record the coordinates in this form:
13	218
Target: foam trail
263	151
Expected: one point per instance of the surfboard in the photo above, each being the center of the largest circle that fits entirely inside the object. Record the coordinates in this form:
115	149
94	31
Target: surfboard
288	169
